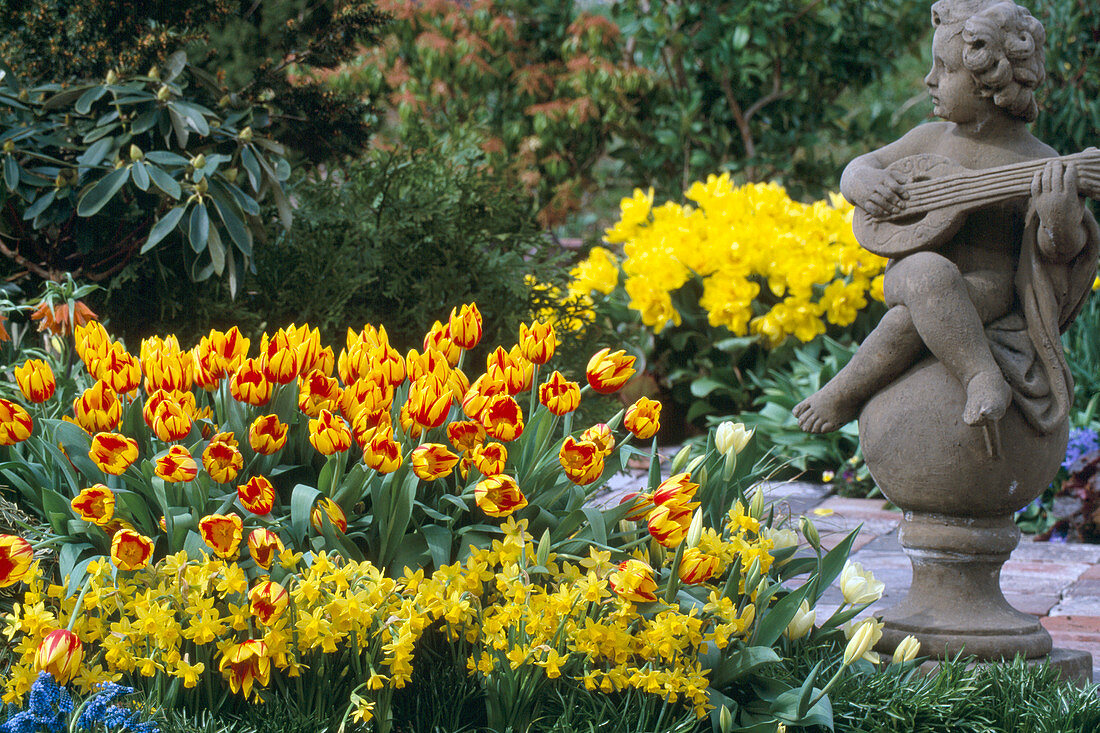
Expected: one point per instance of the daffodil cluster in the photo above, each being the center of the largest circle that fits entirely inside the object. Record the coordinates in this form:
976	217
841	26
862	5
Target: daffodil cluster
513	607
767	265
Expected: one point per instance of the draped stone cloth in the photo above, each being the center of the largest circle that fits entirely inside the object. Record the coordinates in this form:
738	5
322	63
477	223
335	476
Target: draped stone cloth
1027	342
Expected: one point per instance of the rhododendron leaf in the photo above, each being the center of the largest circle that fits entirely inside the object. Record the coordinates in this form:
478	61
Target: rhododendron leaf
102	192
164	182
140	173
198	228
163	226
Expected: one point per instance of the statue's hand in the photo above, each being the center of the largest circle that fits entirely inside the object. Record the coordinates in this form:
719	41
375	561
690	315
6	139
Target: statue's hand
1055	198
878	191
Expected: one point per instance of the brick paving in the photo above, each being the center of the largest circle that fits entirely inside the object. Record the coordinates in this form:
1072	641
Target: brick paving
1057	582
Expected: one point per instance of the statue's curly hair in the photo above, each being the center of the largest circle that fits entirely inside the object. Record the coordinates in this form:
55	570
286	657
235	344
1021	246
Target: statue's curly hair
1002	48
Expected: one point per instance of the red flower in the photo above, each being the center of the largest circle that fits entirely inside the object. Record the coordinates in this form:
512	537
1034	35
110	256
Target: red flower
257	495
222	532
16	556
499	496
502	418
60	654
177	465
113	453
608	371
15	423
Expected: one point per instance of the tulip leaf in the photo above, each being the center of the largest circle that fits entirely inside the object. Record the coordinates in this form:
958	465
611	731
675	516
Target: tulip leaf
439	543
76	443
778	616
596	523
832	564
301	504
102	192
198	228
163	226
394	524
71	566
737	663
456	501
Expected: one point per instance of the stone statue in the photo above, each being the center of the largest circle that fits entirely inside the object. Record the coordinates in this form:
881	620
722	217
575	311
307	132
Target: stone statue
992	254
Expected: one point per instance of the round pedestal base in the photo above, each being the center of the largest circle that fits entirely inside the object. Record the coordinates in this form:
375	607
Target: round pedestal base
955	602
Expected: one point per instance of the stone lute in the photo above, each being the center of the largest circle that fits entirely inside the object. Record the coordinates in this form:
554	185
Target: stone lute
942	194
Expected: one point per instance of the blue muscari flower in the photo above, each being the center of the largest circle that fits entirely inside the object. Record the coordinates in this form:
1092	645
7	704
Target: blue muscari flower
1081	442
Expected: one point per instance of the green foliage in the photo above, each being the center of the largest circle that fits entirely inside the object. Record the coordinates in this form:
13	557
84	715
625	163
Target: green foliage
1000	698
753	86
1069	100
790	378
1082	346
542	83
275	53
96	174
65	41
411	232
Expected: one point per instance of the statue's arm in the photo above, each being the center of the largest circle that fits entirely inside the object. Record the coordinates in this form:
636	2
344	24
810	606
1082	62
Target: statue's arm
1062	231
868	184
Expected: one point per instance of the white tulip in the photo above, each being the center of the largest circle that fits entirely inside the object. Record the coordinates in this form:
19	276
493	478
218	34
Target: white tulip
858	585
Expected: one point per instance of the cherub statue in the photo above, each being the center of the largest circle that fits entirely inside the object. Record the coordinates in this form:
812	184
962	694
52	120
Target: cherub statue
992	248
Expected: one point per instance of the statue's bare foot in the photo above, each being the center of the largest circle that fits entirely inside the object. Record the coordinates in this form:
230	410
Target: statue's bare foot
987	398
826	410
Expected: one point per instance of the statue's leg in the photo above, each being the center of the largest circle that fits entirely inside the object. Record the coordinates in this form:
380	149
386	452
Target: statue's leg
883	356
949	324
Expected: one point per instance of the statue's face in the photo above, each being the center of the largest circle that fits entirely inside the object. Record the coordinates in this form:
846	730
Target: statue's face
955	93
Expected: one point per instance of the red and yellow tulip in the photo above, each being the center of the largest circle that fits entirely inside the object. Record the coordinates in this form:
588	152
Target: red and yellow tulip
36	381
222	533
327	507
60	654
95	504
257	495
607	370
263	546
267	601
16	556
15	423
499	496
267	435
634	582
643	418
329	434
559	395
113	452
431	461
177	465
130	550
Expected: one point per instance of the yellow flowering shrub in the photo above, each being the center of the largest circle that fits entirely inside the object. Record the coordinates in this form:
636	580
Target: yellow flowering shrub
767	265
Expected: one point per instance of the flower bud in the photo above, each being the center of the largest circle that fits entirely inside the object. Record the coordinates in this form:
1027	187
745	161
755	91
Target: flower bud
863	638
224	101
163	93
907	650
542	553
112	77
809	531
756	504
230	174
198	162
154	73
202	186
135	153
680	459
752	579
725	720
695	463
9	146
695	529
245	135
731	437
801	622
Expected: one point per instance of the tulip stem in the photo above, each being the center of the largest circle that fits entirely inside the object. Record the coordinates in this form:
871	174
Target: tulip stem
79	603
674	575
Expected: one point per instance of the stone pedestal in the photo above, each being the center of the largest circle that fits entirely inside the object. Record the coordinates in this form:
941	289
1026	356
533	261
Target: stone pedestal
958	487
